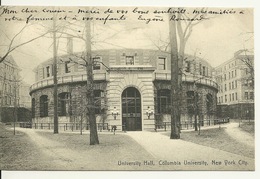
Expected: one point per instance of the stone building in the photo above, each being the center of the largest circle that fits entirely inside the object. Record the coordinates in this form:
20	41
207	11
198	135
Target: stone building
236	86
9	86
131	89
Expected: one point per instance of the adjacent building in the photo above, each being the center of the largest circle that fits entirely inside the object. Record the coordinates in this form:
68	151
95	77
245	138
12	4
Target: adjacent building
131	89
9	85
236	86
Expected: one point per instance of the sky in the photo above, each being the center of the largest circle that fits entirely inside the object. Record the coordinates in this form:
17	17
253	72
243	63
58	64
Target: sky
215	40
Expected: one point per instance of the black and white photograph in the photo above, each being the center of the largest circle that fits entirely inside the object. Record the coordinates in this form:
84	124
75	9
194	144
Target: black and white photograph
127	88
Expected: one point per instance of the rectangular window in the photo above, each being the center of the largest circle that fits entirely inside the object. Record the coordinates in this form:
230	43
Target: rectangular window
233	97
232	74
229	97
204	71
251	96
129	60
236	84
228	75
221	99
67	67
225	98
236	95
225	77
97	63
232	85
200	69
225	87
161	63
81	65
246	95
229	86
48	71
235	73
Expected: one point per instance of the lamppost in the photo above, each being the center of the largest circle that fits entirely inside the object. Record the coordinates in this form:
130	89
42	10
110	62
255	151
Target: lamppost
149	112
115	113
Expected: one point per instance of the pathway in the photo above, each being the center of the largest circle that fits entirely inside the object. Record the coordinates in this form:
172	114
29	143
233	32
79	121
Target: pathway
198	156
233	130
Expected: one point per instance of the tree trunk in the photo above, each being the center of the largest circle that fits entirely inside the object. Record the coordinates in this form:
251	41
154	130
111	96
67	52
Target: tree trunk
55	87
90	91
175	83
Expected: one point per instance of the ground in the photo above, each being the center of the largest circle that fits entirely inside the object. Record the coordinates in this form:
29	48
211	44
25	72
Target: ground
32	149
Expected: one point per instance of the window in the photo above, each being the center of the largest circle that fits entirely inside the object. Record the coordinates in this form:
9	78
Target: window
232	74
251	96
33	108
200	69
233	97
204	71
97	63
191	102
129	60
161	63
187	69
228	75
81	66
246	95
164	101
229	86
235	73
209	103
225	77
99	101
236	95
63	104
236	84
44	106
48	71
225	87
229	97
232	85
67	67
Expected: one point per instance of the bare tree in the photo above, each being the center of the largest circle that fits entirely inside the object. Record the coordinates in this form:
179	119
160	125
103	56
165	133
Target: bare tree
175	83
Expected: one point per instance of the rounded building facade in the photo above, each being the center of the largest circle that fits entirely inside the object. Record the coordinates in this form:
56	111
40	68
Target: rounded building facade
131	90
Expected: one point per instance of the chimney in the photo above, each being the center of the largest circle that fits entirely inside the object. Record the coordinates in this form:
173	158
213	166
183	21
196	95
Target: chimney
69	45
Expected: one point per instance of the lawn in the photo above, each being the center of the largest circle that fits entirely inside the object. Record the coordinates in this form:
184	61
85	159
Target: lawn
217	138
248	127
73	152
18	152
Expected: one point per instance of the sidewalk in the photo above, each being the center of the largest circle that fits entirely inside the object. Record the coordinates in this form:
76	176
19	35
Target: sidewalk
236	133
199	157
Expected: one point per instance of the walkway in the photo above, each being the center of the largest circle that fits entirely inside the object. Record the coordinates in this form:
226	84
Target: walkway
179	151
236	133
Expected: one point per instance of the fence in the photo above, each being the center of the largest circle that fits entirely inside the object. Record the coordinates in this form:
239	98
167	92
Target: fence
164	126
191	125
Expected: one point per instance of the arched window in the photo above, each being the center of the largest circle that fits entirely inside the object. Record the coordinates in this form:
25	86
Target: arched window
99	101
44	106
164	101
209	103
191	102
33	108
63	103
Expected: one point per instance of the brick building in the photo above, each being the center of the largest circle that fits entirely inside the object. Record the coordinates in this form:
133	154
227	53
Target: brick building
129	83
236	86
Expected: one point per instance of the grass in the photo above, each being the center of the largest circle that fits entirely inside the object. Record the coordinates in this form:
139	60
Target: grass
20	153
17	152
248	127
218	139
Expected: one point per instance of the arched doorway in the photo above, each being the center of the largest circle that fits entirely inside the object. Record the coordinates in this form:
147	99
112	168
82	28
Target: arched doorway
131	109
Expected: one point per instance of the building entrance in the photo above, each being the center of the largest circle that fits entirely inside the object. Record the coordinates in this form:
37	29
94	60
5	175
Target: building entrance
131	109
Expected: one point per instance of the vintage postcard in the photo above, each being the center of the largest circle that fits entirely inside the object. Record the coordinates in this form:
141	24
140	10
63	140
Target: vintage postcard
127	88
